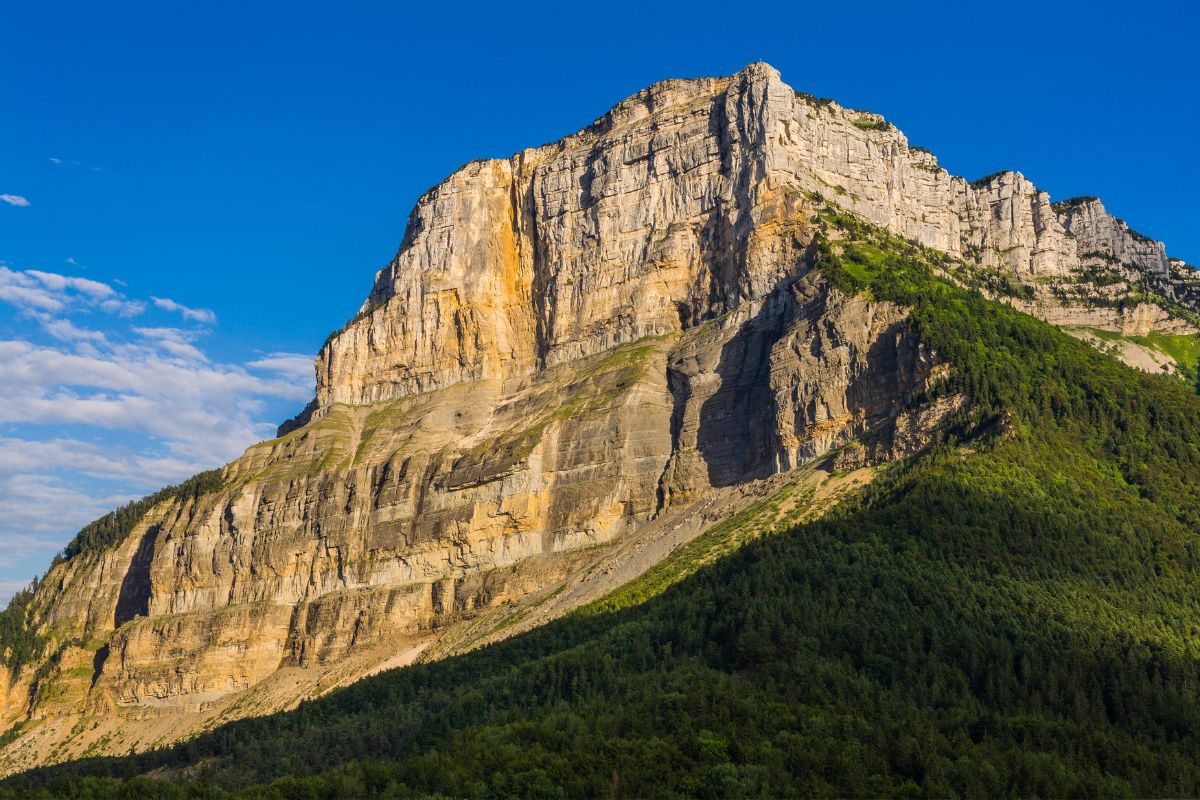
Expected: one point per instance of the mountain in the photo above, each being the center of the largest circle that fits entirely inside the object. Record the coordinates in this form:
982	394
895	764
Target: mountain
592	373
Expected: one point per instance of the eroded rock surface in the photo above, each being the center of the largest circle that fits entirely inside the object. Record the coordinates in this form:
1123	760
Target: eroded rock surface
1102	237
571	344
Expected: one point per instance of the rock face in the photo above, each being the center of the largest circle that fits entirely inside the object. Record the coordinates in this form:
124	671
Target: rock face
569	344
672	208
1102	237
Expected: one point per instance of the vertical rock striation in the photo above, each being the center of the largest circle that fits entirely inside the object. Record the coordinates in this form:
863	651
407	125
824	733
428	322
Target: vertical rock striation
666	211
1101	236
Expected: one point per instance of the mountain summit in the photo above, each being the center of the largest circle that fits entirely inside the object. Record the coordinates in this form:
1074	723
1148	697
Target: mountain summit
583	361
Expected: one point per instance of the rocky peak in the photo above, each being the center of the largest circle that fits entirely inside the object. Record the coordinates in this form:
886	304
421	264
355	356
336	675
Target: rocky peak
667	211
511	265
1105	238
1026	235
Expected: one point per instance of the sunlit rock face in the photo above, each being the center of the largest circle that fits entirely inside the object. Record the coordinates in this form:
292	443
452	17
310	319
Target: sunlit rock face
1100	236
570	343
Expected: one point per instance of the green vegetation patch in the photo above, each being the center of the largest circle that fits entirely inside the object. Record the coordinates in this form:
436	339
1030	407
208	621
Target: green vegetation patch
1184	349
20	643
986	180
813	100
1064	206
867	124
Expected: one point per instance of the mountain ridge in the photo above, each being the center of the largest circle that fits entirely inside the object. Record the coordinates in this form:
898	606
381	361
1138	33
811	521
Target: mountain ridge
1028	238
572	348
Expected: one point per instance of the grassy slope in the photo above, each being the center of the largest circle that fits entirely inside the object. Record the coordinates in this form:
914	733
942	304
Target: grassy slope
1182	348
1013	617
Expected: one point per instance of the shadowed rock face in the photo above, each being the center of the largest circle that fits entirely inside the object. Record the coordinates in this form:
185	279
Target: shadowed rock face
571	343
134	598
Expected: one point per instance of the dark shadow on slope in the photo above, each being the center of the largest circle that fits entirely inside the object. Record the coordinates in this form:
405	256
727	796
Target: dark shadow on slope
134	597
98	663
735	432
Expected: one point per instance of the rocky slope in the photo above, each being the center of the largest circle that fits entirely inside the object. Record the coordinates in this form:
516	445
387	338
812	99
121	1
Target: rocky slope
575	348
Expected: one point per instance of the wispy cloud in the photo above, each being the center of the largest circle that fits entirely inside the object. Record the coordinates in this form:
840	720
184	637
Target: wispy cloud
98	410
14	199
36	508
70	162
24	291
66	331
204	315
161	386
34	291
296	367
176	341
139	470
57	283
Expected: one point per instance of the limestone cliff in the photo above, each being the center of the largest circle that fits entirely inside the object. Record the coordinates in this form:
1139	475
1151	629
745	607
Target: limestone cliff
668	210
1100	236
574	347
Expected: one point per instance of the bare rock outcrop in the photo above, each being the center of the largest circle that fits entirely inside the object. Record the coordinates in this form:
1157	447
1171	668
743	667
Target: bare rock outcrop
1102	237
669	210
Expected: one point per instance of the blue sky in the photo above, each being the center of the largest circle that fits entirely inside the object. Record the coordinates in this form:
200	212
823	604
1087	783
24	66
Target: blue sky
192	195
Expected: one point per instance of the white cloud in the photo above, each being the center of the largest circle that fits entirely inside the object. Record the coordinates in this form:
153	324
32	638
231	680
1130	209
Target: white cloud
176	341
70	162
160	386
294	365
198	314
122	307
40	512
97	411
140	470
20	289
66	331
14	199
34	291
58	283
